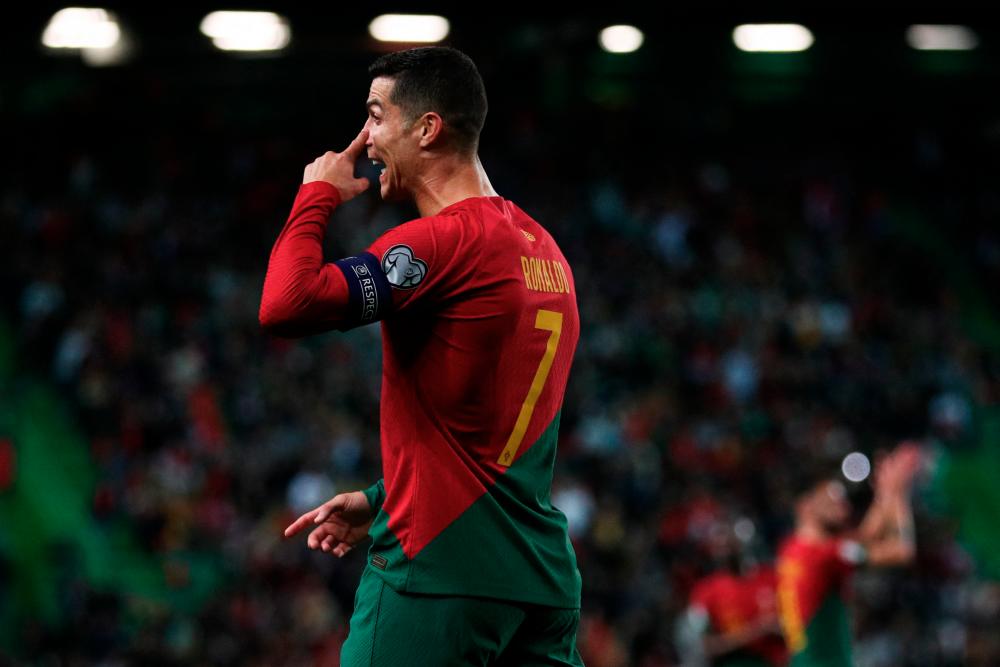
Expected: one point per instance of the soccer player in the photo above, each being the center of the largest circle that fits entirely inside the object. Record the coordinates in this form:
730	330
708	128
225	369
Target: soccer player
470	562
731	619
814	563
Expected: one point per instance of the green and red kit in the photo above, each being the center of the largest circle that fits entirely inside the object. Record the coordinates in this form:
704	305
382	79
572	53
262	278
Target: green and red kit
813	577
479	321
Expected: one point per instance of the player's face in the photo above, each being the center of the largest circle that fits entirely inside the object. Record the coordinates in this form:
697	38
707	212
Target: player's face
722	543
389	140
831	505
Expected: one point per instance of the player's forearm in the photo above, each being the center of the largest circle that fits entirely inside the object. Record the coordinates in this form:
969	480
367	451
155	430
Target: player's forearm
897	546
301	294
902	519
875	521
718	644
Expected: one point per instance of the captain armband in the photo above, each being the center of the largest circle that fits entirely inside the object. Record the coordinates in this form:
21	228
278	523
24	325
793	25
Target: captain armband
370	293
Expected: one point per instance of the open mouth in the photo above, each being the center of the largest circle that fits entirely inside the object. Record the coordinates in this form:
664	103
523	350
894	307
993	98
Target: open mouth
379	163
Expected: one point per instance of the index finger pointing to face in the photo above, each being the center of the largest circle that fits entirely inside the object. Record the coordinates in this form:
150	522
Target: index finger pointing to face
358	145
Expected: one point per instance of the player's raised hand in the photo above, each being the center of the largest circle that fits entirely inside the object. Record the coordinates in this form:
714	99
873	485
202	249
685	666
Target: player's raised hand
337	169
910	459
894	472
343	522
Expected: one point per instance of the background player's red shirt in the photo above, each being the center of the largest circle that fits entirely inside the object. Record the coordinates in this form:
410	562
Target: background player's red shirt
479	329
733	602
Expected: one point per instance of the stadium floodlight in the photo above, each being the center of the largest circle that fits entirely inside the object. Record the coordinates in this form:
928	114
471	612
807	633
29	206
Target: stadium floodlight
941	38
247	31
409	28
81	28
621	39
856	467
117	54
772	37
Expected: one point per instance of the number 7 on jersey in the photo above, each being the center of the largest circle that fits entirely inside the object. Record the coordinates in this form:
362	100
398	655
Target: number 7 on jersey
550	321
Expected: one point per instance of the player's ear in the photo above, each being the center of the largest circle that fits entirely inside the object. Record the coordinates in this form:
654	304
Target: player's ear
431	128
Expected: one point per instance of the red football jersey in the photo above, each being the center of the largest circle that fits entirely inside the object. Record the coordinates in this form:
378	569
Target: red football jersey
479	329
733	602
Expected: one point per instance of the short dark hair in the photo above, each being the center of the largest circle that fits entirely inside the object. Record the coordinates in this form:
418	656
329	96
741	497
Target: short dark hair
441	79
808	476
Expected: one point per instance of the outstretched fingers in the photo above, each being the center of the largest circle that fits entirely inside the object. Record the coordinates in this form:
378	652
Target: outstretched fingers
300	523
335	530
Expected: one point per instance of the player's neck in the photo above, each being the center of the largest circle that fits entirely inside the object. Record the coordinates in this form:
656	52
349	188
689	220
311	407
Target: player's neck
450	180
812	531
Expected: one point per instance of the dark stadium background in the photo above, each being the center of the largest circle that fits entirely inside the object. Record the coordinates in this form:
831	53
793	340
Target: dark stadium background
780	258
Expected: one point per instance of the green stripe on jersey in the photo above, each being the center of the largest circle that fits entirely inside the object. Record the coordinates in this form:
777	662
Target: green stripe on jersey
828	637
510	544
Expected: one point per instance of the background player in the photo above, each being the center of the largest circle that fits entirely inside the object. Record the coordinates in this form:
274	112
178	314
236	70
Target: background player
815	562
470	562
731	618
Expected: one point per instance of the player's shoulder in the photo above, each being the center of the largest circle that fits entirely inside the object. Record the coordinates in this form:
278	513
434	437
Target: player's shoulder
714	581
704	589
445	231
797	548
436	221
528	222
536	233
788	546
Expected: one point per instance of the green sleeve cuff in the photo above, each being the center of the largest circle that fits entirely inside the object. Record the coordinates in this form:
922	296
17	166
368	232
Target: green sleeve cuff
375	495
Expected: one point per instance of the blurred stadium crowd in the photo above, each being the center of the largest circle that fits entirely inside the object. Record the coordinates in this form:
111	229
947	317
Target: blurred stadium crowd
743	316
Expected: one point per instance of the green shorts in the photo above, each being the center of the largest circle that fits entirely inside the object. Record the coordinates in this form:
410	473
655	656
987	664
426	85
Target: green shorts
390	628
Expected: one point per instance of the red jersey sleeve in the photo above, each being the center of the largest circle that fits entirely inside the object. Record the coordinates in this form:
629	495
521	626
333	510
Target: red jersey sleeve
423	261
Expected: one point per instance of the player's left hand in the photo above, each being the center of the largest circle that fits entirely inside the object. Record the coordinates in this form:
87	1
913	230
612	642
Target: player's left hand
337	169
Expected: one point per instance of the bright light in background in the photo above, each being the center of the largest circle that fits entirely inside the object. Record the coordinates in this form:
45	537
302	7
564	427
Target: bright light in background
621	38
772	37
247	31
120	52
409	28
81	28
856	467
941	38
